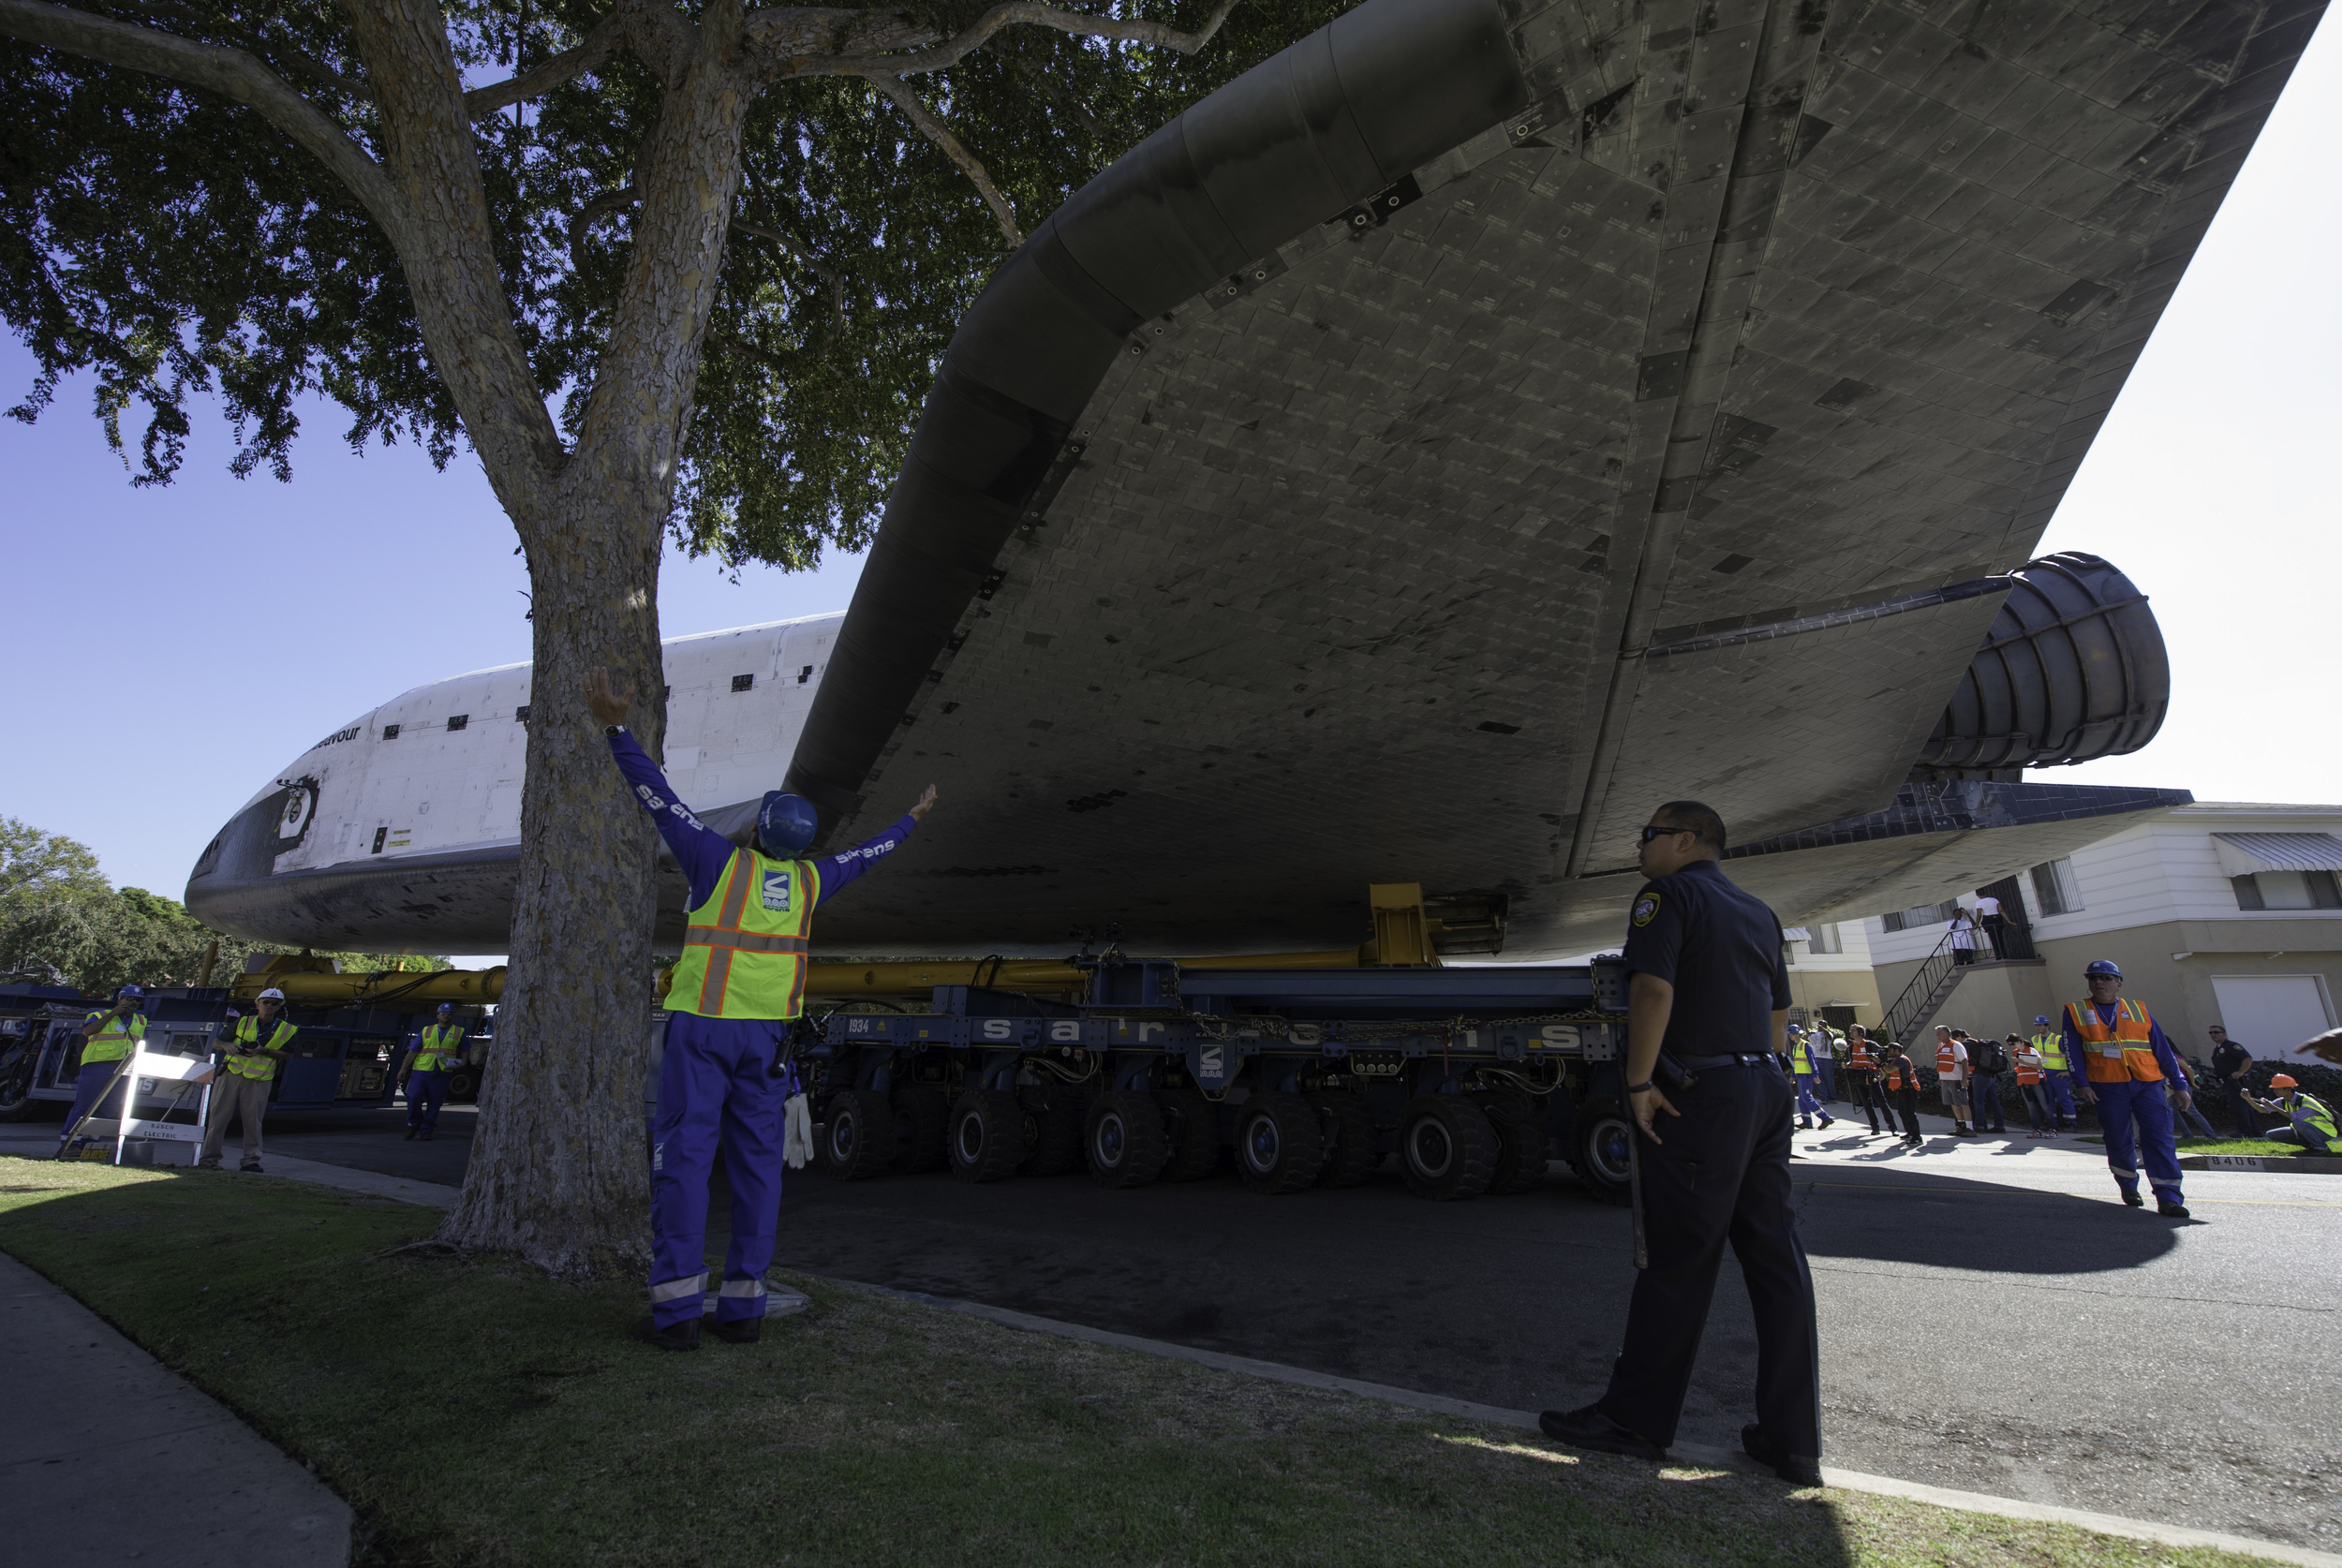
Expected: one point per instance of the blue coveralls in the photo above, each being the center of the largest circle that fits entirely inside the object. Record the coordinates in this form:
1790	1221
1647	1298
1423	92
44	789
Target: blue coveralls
2120	1105
718	1079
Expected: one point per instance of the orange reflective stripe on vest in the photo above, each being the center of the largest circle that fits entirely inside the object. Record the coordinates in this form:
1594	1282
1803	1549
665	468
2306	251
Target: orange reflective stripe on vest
2028	1066
1859	1058
1946	1061
2120	1053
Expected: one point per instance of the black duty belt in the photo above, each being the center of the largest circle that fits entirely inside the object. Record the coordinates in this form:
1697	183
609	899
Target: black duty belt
1739	1059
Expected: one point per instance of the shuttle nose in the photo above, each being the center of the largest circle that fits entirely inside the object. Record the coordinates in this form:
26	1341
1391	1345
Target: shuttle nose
231	876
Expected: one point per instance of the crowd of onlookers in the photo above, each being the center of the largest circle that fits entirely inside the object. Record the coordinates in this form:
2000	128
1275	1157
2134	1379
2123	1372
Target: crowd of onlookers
1979	1080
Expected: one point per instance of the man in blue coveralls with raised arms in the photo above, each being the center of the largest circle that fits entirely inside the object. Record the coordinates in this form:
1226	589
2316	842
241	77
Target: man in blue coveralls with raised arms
741	979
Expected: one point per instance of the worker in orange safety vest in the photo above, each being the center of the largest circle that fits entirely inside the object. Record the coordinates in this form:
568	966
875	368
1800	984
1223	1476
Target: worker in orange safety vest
2126	1058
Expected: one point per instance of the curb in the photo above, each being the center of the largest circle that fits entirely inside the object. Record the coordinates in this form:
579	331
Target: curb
2289	1164
1682	1453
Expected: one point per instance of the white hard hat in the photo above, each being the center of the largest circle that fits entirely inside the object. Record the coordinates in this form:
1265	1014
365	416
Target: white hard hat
272	993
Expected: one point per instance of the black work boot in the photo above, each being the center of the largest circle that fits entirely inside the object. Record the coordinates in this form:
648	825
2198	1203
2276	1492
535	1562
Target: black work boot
739	1331
2171	1208
2133	1199
1795	1468
684	1336
1588	1427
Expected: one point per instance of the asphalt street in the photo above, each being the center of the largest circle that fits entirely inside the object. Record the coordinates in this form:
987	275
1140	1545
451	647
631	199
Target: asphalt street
1991	1319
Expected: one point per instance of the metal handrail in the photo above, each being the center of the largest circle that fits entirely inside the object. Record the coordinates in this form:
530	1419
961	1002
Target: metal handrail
1919	993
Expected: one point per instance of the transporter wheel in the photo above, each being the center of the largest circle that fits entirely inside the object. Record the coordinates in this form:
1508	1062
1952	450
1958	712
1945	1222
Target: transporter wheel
1447	1146
1191	1123
1125	1140
1278	1146
1600	1150
922	1112
1519	1140
859	1138
16	1089
988	1135
1057	1131
462	1085
1346	1127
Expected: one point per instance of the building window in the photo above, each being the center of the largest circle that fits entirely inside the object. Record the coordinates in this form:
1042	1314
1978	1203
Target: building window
2054	888
2287	890
1825	938
457	722
1926	917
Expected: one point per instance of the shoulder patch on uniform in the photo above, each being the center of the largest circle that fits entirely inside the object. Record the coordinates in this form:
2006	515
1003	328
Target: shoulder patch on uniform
1646	908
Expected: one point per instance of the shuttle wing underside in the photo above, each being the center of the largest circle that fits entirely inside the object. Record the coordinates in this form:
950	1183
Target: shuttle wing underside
1489	418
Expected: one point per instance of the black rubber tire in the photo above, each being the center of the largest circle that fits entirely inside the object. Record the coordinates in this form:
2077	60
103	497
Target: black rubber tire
1446	1146
1519	1128
1600	1145
1124	1139
922	1112
858	1139
1346	1127
463	1086
1278	1146
1191	1123
989	1135
1057	1131
16	1087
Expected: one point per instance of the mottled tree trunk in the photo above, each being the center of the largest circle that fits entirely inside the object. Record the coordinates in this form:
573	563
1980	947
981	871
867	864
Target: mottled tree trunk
559	1173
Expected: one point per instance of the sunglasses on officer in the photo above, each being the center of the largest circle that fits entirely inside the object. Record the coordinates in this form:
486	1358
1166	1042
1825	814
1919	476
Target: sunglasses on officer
1654	831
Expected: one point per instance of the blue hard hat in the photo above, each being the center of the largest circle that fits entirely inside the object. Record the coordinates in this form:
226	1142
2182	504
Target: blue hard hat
129	991
447	1006
2103	966
2041	1017
785	823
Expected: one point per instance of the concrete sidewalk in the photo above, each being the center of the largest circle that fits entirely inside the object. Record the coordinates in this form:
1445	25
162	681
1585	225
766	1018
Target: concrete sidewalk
39	1140
109	1456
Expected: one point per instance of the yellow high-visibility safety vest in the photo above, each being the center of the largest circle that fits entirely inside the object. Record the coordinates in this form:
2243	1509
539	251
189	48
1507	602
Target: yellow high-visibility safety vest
744	949
433	1043
247	1031
1800	1060
114	1041
2052	1049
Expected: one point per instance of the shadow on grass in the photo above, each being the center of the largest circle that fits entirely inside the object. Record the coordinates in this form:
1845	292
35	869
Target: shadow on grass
477	1411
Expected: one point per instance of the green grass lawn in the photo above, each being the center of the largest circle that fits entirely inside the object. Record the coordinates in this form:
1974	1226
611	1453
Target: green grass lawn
476	1413
2226	1146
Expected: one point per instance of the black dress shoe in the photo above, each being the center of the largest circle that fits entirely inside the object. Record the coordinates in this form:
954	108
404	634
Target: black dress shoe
1793	1468
684	1336
1590	1428
739	1331
2171	1210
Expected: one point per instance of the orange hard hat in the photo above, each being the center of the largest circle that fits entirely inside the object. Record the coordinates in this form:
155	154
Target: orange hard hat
2283	1080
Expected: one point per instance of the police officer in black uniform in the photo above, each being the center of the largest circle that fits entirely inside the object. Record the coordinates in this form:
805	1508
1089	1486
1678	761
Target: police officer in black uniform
1708	997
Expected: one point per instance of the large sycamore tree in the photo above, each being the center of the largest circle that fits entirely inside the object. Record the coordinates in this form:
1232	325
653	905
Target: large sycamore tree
671	270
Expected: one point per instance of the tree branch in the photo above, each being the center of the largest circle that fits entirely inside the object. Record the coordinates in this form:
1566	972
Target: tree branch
804	253
548	73
937	132
232	73
608	201
779	37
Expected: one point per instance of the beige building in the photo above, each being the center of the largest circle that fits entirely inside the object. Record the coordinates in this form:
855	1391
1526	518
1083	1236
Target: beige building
2217	912
1830	974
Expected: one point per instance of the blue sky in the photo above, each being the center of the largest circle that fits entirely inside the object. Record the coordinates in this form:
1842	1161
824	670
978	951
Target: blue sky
169	649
